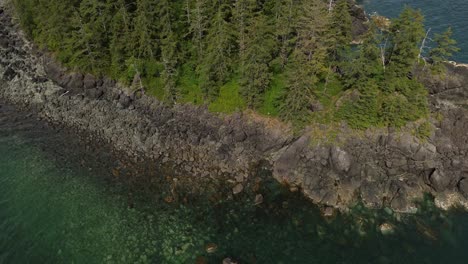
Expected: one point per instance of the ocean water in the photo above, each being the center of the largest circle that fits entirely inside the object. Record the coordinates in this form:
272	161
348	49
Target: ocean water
439	15
62	200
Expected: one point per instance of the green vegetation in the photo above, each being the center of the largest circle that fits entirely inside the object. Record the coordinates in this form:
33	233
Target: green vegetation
445	48
423	131
287	58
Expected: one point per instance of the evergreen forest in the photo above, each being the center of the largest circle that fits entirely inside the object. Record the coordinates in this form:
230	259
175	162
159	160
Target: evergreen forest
291	59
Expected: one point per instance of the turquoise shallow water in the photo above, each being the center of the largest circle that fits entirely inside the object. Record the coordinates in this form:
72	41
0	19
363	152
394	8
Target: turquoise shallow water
439	14
62	202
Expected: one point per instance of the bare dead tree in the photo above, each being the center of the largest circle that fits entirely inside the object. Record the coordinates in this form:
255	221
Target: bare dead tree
383	48
423	46
330	6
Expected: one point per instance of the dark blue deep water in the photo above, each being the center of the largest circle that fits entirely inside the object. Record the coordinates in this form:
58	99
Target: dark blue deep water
439	14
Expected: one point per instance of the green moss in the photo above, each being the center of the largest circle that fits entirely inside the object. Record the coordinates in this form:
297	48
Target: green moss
424	131
191	91
229	100
155	87
272	96
327	94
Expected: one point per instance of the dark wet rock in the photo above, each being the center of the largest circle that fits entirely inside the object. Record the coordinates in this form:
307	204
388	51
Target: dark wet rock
89	81
328	211
124	101
9	74
258	199
94	93
75	81
211	248
387	229
463	187
54	71
229	261
238	189
40	79
359	20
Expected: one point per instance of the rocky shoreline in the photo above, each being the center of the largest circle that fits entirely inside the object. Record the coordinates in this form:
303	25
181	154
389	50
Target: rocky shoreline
381	167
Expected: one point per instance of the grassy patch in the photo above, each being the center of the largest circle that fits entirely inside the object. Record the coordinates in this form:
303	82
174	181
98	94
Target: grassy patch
272	96
191	91
155	87
229	100
327	94
423	131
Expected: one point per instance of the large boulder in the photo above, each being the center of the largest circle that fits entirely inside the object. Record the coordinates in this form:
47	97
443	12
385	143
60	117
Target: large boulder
439	180
463	187
124	101
76	81
89	81
53	71
286	164
340	159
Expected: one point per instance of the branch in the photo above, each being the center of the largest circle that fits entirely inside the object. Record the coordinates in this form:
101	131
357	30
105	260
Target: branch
423	45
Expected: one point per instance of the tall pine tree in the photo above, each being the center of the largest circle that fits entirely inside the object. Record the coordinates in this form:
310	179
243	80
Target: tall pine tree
217	60
406	34
259	46
308	62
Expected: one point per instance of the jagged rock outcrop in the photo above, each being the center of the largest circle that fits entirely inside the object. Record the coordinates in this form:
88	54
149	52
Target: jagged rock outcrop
382	167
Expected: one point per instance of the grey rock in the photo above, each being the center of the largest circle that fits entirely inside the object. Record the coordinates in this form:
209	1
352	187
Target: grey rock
258	199
237	189
75	81
89	81
463	187
9	74
340	159
124	101
439	180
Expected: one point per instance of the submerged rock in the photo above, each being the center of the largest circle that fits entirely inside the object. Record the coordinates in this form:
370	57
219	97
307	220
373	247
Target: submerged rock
328	212
229	261
211	248
237	189
258	199
387	229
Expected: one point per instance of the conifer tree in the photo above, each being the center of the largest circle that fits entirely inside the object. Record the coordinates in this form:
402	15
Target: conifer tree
144	29
243	13
340	30
217	60
89	40
308	62
199	22
285	16
259	46
406	34
53	26
168	50
120	39
444	49
367	65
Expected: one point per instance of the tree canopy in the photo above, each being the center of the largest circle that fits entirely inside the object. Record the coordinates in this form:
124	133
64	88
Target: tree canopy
294	58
